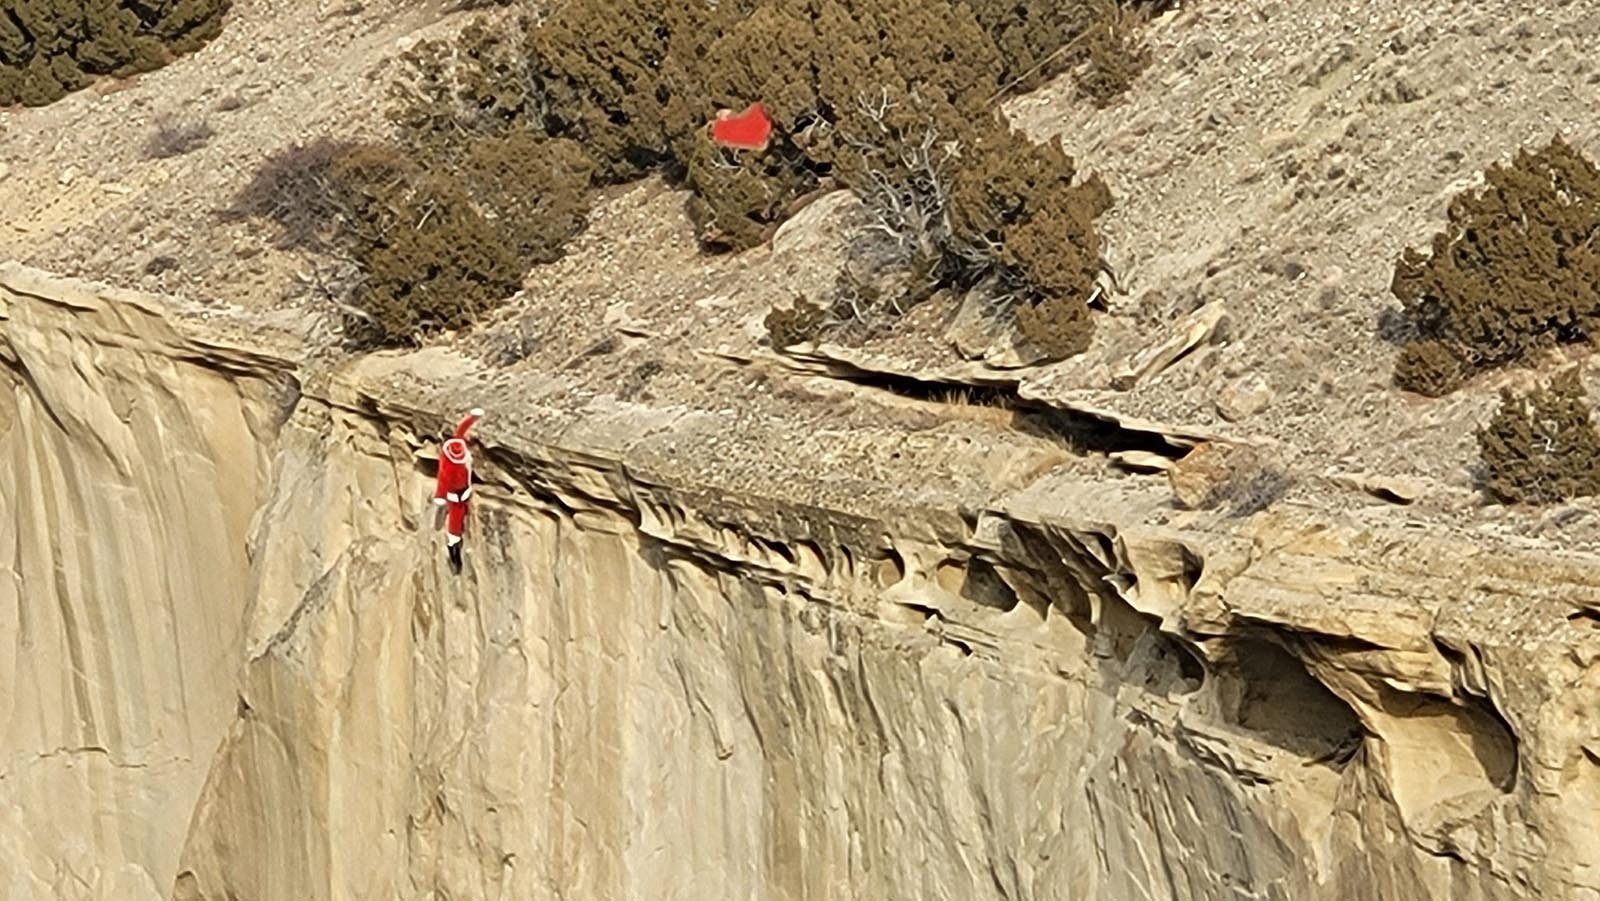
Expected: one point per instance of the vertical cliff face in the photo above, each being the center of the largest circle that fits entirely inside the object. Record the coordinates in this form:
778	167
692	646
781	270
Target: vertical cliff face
242	670
134	459
619	699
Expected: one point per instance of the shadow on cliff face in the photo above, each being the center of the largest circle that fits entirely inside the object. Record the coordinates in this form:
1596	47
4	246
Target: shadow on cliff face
1264	689
1252	684
1079	432
1082	577
1442	752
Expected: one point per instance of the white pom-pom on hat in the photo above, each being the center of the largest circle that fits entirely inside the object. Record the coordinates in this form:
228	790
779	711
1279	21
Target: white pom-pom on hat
476	411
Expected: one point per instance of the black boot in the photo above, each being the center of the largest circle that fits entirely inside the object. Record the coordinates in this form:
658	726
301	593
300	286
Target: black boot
455	558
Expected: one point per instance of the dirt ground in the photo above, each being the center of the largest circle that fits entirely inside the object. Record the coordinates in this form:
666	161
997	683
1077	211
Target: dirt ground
1274	161
83	196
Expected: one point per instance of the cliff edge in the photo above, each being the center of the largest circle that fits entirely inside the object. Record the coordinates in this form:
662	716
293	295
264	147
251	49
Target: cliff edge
242	668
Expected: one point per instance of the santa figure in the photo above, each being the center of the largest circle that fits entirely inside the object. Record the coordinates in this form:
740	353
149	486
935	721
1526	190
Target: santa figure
454	488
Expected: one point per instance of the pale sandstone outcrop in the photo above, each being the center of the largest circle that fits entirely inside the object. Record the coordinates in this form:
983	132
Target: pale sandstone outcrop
134	456
646	687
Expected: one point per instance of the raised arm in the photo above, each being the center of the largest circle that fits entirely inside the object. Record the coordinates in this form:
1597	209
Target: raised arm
467	423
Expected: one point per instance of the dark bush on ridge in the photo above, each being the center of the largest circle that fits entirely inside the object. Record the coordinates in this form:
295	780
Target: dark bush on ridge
50	48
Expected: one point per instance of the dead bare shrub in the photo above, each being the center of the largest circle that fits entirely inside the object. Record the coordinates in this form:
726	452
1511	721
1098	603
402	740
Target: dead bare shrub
176	138
1218	474
1251	491
903	166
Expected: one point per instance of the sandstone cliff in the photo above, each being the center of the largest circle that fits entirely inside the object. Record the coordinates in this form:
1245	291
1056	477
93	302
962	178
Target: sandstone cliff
240	669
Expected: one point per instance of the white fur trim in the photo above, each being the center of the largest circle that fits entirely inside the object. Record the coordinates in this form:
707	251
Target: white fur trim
438	502
452	497
452	540
466	492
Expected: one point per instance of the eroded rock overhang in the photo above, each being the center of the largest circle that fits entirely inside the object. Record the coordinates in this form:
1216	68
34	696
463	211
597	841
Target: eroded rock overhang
1410	705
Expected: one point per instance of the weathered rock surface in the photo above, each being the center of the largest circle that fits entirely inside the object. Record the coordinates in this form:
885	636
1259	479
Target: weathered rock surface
240	669
1244	398
135	457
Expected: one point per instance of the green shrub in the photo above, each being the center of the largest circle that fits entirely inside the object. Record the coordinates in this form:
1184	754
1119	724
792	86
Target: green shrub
1541	447
438	249
480	83
434	248
1031	35
503	127
1115	53
1429	367
440	266
740	198
1516	270
1059	327
49	48
535	190
935	51
610	71
429	258
1040	39
1018	213
770	55
623	80
849	85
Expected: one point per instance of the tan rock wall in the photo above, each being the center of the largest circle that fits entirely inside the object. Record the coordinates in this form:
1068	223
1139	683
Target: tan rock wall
129	476
602	706
240	669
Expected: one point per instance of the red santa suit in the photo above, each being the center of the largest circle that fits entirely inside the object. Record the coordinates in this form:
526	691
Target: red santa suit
454	488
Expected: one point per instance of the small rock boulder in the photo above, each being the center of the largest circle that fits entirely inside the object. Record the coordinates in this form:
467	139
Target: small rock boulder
1196	478
1221	474
1243	398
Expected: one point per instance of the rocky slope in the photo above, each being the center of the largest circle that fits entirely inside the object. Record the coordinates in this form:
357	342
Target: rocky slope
241	670
738	624
1272	163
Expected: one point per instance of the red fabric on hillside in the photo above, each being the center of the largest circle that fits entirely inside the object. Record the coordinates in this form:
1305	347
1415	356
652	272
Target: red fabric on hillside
749	130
